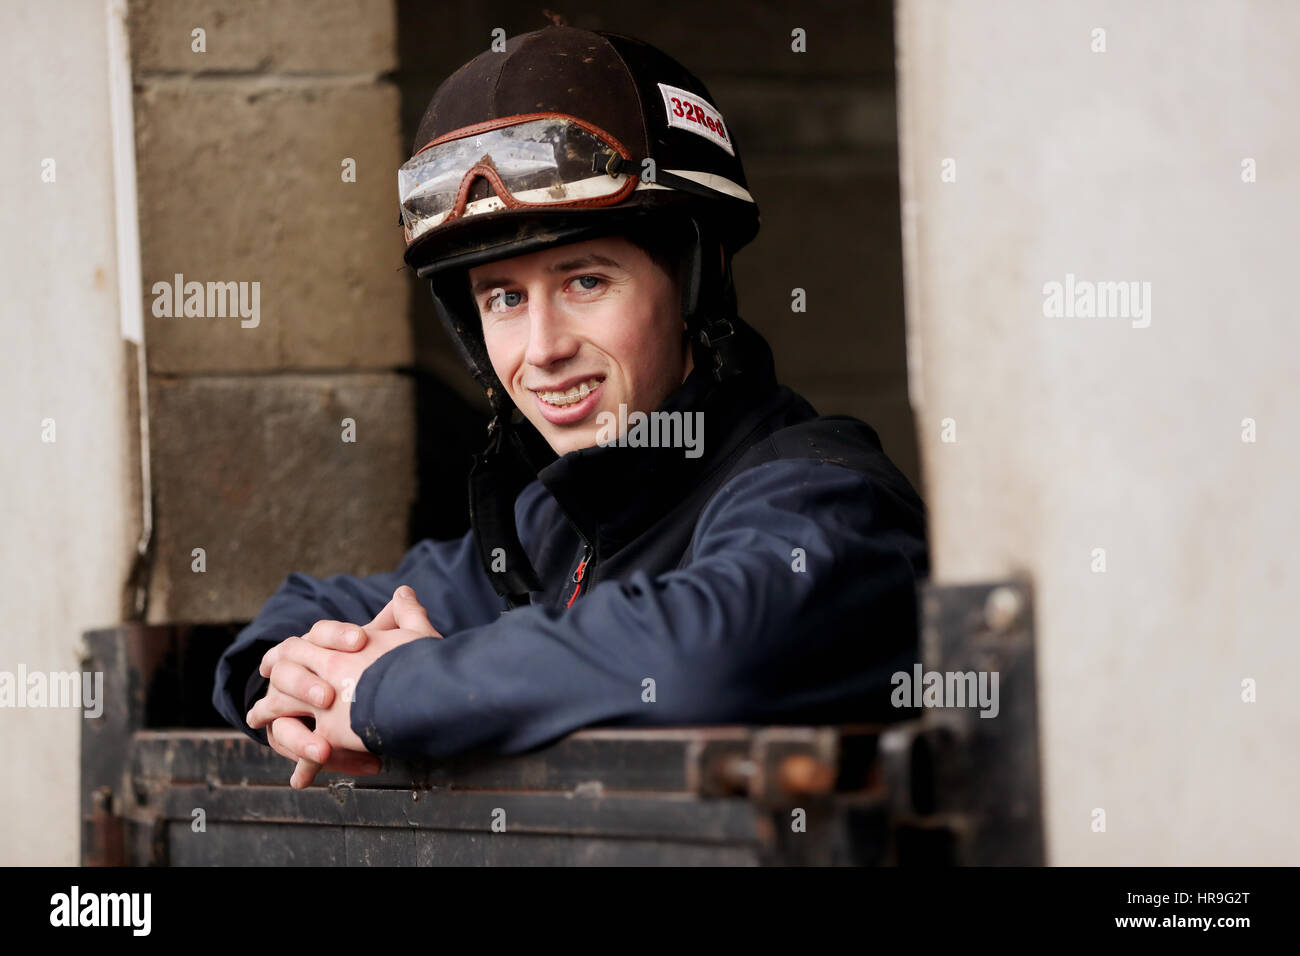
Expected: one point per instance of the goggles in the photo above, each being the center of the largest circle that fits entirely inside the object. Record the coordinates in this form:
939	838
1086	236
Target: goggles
534	160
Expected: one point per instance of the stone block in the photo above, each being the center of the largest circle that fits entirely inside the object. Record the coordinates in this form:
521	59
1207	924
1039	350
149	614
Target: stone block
254	470
243	182
282	36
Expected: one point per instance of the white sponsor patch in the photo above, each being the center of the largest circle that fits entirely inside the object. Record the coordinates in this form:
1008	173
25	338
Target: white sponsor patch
687	111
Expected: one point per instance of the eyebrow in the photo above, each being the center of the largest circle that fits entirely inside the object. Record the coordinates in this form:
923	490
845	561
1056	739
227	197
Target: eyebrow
591	259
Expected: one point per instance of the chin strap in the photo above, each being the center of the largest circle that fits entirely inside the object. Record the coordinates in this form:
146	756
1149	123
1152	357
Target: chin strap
494	484
710	309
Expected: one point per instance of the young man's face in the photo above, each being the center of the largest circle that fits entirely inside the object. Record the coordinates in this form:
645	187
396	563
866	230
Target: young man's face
579	329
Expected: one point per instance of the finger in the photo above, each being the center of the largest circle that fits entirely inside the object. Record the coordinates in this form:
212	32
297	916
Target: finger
304	771
341	760
270	657
275	742
324	633
303	774
410	613
294	680
337	635
302	743
304	652
278	747
353	762
276	704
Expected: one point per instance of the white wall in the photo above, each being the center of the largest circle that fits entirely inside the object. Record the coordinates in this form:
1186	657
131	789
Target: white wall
66	534
1074	434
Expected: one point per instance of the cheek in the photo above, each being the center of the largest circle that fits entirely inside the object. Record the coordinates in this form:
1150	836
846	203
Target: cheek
504	352
644	343
659	350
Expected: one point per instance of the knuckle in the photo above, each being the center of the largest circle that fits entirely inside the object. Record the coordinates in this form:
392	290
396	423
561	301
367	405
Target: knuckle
287	676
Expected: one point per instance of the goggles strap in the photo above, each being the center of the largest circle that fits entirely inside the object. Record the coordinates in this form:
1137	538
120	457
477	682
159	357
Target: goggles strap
632	167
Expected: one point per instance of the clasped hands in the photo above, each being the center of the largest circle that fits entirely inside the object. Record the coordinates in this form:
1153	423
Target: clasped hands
316	676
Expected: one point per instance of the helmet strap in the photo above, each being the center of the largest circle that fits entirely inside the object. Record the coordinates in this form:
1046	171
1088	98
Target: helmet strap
709	305
494	483
495	478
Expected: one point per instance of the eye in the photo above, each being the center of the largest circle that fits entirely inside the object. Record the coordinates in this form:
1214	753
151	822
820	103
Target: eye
499	300
595	281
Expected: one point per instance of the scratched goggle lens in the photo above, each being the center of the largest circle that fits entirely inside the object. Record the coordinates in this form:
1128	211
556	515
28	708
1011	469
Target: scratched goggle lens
541	162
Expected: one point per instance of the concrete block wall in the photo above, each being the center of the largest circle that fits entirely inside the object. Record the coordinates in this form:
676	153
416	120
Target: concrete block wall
241	151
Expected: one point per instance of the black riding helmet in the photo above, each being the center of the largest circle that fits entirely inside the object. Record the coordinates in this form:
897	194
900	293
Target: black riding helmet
679	167
567	135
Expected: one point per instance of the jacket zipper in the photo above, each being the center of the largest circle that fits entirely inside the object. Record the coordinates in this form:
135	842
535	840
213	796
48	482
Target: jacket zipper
581	570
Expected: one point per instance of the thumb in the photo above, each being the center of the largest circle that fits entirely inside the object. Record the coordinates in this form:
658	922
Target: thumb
409	612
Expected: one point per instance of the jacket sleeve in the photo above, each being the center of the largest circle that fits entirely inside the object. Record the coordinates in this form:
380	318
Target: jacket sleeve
797	605
447	576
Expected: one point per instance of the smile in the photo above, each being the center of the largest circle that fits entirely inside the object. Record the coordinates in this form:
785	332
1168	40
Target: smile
572	406
572	396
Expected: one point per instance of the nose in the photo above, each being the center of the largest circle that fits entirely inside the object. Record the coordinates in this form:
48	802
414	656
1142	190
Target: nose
550	335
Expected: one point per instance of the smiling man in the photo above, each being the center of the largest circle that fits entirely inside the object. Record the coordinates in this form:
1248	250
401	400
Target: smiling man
575	333
575	203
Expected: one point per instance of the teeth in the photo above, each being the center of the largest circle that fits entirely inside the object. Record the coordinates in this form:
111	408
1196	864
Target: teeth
575	394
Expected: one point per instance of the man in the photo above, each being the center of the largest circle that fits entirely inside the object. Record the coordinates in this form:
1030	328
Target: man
661	533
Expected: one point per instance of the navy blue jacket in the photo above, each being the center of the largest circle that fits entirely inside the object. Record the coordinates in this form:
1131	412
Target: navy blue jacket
772	579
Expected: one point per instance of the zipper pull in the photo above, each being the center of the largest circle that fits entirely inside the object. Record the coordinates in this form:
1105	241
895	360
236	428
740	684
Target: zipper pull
577	575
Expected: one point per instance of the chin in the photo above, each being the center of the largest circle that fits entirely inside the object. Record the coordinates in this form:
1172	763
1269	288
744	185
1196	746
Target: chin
567	443
572	438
